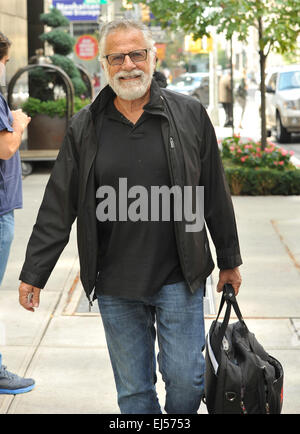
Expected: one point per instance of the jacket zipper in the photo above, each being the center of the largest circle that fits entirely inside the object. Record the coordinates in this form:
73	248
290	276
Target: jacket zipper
85	186
172	147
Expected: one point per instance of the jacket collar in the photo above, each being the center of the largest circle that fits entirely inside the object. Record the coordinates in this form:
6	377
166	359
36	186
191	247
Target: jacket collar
106	94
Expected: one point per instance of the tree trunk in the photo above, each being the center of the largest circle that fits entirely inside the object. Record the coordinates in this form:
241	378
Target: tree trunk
262	62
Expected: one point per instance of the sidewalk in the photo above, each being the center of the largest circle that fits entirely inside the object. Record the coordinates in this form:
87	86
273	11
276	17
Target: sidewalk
62	346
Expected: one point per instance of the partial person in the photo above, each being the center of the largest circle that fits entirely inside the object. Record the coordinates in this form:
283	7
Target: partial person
241	96
160	78
147	272
225	97
12	126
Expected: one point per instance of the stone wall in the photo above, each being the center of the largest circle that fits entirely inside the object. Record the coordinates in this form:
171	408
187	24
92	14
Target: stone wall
13	23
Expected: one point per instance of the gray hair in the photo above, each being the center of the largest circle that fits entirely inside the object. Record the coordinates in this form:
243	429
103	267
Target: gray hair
123	24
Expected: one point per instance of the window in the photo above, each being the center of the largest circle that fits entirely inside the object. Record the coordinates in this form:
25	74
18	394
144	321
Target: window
289	80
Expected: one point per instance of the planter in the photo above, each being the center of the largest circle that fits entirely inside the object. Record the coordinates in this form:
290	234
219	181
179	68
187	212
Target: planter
45	132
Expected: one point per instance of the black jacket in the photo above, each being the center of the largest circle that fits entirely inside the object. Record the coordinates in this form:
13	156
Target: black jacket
193	159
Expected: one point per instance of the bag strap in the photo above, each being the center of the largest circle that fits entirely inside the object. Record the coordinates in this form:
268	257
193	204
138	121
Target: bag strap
228	295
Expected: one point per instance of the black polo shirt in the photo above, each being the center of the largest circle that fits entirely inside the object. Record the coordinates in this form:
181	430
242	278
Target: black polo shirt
136	257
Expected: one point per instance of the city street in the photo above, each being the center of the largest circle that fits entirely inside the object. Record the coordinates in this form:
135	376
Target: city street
55	57
251	126
62	345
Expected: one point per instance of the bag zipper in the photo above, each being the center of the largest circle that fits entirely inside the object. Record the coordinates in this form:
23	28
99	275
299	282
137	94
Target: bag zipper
267	405
244	410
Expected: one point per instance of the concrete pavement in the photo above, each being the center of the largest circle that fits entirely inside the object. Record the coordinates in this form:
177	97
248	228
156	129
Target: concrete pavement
62	346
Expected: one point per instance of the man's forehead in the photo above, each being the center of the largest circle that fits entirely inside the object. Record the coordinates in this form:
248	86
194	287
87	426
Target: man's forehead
125	39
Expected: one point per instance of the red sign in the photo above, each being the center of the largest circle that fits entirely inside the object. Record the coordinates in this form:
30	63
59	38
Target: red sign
86	47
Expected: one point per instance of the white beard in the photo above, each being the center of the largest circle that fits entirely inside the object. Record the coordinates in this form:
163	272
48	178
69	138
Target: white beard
129	89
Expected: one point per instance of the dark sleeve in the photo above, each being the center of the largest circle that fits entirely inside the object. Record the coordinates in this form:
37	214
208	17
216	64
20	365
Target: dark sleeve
218	208
56	215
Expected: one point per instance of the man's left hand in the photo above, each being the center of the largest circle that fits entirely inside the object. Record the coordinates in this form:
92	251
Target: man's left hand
231	276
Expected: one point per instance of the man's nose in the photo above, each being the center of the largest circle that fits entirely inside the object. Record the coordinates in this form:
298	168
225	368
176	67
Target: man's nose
128	64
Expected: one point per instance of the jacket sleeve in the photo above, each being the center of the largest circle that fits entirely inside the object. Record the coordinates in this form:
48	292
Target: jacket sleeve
218	207
56	215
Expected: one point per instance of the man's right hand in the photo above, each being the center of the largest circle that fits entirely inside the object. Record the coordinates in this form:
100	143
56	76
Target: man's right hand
21	119
29	296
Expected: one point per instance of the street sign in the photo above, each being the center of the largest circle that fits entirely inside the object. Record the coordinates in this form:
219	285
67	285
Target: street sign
86	47
95	2
201	45
79	10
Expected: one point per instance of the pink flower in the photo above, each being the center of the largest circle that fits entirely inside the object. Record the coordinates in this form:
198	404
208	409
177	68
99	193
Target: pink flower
243	159
232	148
284	152
292	153
239	151
281	163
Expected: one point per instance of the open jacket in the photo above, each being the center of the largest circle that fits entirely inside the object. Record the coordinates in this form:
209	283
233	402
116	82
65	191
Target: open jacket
193	160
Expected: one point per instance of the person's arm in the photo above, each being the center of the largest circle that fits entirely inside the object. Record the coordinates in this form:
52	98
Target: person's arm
218	208
10	140
53	225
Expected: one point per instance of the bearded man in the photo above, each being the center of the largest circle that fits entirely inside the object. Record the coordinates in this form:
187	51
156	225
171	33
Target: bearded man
148	275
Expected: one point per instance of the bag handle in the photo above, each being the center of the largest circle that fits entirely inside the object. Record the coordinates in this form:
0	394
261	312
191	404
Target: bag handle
228	295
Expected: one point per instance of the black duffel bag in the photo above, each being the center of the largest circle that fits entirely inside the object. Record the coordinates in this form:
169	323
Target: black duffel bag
240	376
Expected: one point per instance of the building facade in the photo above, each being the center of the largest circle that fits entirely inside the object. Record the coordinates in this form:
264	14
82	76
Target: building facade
13	23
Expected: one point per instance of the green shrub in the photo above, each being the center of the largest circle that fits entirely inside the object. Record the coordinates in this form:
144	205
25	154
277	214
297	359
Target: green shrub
60	40
54	19
261	181
34	106
62	44
252	171
66	64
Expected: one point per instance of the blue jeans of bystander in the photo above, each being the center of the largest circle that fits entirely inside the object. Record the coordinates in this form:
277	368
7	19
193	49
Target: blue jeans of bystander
6	236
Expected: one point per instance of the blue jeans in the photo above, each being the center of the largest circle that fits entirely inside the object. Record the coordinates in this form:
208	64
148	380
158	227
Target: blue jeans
130	335
7	226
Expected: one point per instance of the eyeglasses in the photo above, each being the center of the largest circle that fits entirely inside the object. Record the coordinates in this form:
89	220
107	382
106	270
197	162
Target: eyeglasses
135	56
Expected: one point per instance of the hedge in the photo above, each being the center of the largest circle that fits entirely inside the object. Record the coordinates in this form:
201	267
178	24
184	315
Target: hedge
252	171
262	181
34	106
